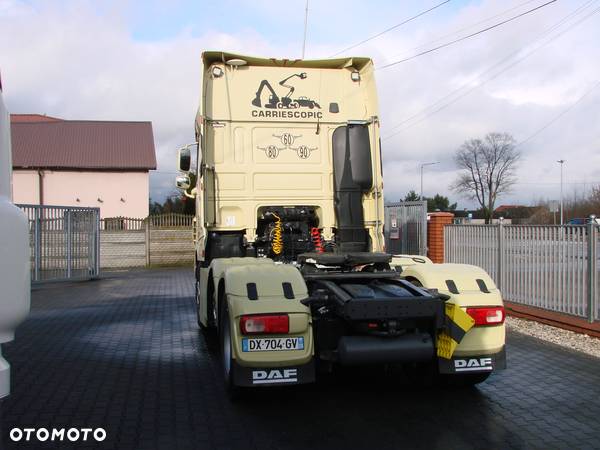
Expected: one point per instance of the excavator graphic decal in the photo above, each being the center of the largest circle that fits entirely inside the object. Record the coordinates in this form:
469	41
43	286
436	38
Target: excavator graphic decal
285	102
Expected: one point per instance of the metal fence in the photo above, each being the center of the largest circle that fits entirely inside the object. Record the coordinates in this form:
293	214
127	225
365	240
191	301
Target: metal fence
64	242
547	266
406	228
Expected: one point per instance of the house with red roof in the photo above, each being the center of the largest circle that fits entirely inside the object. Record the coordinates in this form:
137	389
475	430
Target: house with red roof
101	164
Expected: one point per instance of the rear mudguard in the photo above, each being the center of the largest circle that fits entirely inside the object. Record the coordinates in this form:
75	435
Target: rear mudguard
210	282
254	287
467	286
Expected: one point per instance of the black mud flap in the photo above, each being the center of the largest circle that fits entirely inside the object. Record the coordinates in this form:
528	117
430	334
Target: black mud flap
473	364
273	376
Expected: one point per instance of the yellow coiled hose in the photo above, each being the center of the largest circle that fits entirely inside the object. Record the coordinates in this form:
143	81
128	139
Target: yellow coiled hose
277	244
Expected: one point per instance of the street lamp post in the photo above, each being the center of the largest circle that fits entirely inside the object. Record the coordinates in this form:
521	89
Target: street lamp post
561	162
423	165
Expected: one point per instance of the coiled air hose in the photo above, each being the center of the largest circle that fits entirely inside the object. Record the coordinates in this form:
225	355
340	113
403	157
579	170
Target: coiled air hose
315	235
277	244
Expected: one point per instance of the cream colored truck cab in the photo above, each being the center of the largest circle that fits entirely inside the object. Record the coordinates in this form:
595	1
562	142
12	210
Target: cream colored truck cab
14	254
290	269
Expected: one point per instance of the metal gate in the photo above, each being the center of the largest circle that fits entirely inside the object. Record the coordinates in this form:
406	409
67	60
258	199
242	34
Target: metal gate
406	228
64	242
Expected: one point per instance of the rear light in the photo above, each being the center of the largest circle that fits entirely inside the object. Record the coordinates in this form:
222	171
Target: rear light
487	315
265	324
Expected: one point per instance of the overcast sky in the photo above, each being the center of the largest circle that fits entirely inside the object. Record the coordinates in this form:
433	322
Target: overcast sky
140	60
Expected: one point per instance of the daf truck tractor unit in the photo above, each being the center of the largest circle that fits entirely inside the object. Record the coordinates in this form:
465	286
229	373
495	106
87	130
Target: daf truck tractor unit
14	254
290	269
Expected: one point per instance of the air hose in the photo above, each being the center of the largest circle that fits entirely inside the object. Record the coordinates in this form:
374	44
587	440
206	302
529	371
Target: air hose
277	244
315	235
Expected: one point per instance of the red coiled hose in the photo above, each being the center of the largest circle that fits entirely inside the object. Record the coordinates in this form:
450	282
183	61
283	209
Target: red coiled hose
315	235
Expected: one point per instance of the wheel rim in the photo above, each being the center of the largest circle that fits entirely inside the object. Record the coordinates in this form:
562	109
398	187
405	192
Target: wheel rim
226	349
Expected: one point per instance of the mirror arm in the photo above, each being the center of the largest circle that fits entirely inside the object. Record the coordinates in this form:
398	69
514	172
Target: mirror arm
191	194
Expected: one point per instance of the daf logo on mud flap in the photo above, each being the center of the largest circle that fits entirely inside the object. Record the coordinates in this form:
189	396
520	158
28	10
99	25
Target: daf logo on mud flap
274	376
473	364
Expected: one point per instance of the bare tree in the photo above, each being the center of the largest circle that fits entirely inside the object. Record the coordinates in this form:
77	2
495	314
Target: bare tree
487	169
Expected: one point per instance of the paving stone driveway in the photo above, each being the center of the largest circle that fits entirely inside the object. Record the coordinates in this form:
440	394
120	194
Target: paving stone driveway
124	353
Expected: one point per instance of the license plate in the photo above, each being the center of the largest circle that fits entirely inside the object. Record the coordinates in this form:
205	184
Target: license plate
272	344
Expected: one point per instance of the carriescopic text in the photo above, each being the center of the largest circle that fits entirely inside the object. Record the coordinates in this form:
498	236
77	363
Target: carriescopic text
287	114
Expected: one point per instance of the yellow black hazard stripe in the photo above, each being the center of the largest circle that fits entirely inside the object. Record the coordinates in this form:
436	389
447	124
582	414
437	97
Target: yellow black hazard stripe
457	322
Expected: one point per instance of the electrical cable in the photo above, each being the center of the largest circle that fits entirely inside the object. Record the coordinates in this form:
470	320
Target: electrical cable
561	114
391	28
468	27
428	111
447	44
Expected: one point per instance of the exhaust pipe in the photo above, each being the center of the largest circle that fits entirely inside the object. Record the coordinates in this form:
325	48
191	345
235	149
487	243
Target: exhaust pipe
357	350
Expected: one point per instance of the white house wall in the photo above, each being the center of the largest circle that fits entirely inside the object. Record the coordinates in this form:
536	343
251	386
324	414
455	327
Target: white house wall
115	193
25	187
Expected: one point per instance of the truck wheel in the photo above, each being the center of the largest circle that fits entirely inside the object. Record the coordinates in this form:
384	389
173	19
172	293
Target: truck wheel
422	375
208	329
467	380
202	327
226	354
197	291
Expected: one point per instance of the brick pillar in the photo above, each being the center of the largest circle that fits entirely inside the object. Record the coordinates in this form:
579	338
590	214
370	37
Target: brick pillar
435	235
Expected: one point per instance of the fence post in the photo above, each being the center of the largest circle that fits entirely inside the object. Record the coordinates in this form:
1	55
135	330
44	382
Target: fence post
147	228
591	268
69	242
97	243
37	244
499	267
435	235
423	232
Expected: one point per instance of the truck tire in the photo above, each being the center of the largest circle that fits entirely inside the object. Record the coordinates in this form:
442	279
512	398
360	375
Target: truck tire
421	375
197	291
471	379
209	329
466	380
232	390
202	327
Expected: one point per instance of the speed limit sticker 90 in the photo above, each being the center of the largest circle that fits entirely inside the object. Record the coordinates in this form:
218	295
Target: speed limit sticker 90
272	344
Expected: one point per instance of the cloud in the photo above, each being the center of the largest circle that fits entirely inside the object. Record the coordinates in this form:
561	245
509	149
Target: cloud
519	101
78	60
70	61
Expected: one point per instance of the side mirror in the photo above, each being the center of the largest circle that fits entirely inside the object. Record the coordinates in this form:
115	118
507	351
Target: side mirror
183	182
184	159
360	155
